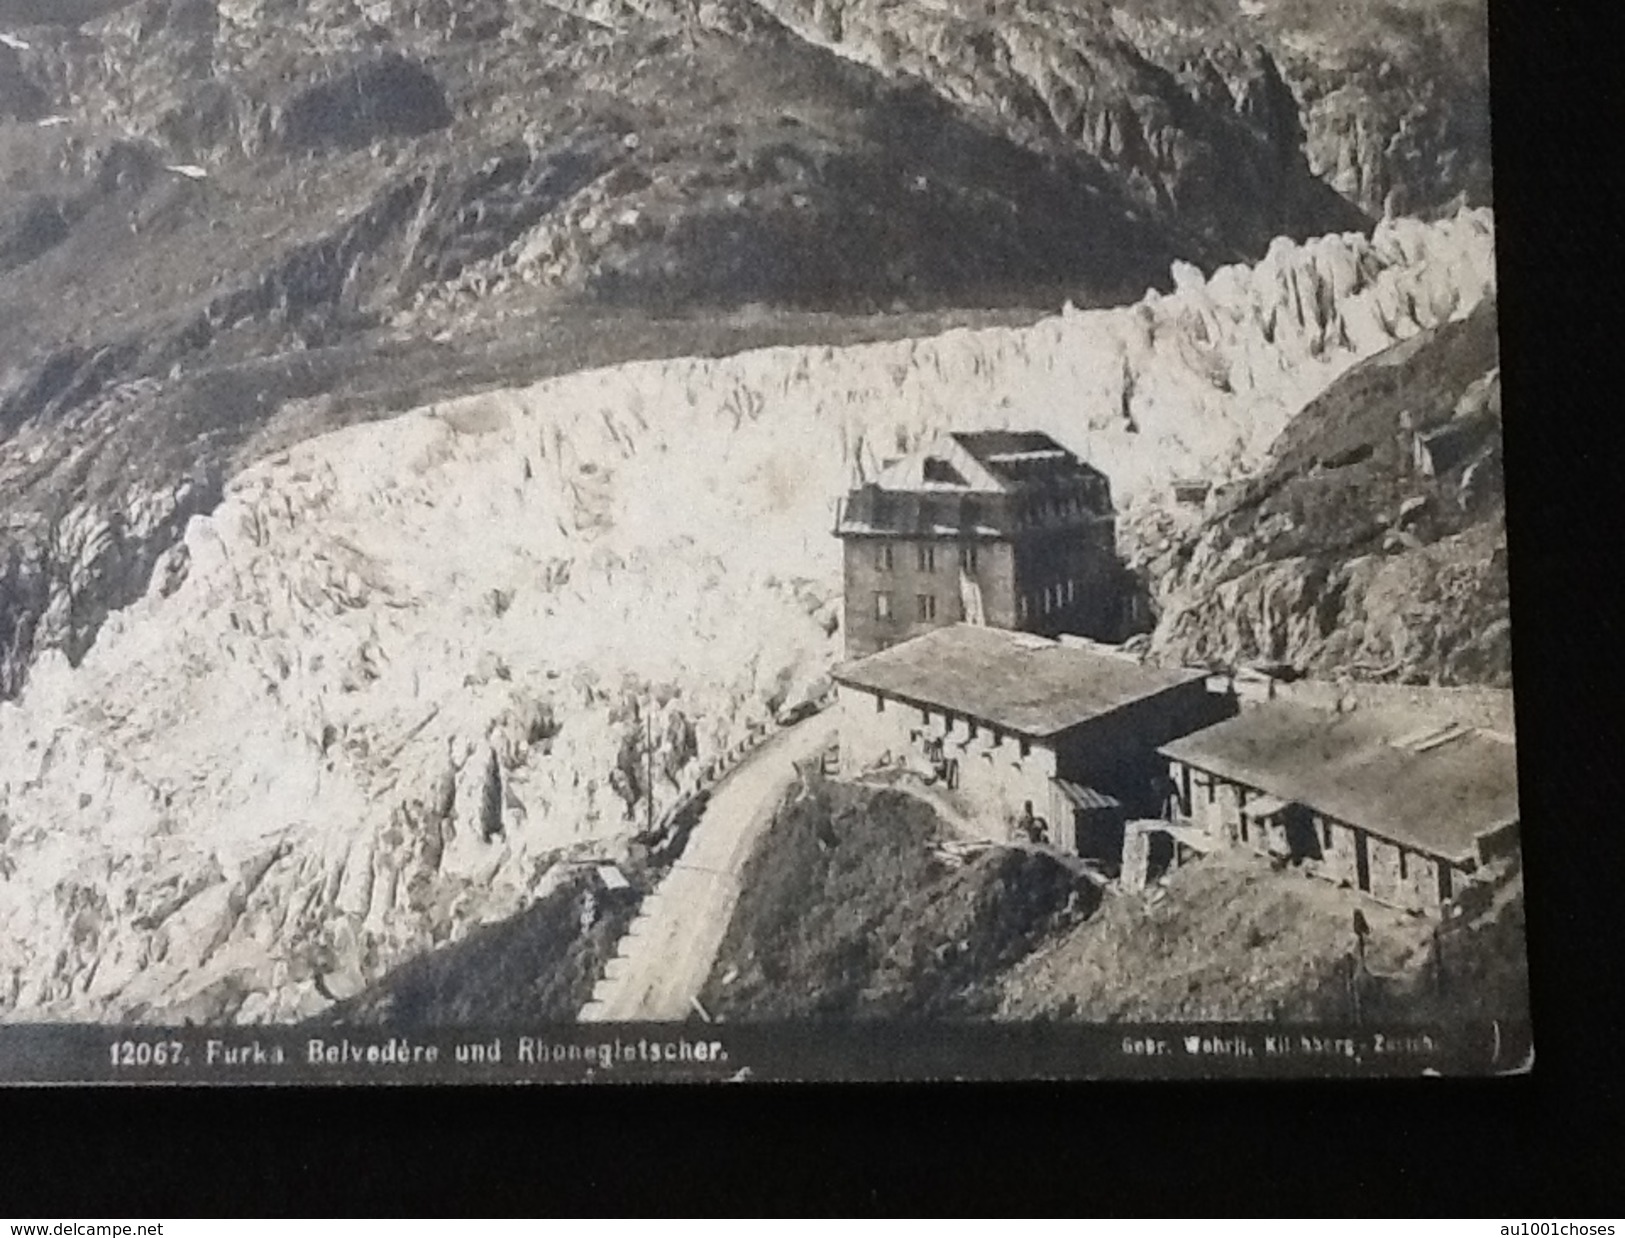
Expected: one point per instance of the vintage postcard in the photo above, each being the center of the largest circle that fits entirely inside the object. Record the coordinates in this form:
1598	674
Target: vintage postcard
752	539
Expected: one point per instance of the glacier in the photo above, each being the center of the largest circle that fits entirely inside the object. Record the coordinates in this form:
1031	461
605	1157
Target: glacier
405	670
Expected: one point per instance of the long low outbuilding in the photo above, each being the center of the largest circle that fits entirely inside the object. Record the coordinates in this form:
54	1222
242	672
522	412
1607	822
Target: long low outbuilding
1409	816
1027	730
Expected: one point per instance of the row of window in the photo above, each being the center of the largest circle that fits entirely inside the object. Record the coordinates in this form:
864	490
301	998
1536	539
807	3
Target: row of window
1050	510
925	557
1050	598
1209	785
995	736
925	607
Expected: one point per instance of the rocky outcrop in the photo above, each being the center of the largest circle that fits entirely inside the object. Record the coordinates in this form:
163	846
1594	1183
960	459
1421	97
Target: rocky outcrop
1371	544
1388	105
1220	153
1428	614
1393	96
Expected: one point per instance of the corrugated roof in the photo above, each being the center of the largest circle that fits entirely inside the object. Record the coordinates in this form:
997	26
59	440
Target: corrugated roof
1014	680
1351	767
1087	799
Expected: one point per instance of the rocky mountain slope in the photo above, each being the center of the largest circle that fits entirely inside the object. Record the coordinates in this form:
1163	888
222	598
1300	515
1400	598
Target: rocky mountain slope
227	224
1388	99
1353	550
222	228
1227	939
399	670
1394	94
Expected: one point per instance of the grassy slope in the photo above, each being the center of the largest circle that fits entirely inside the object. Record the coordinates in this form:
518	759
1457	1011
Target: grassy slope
846	913
1231	939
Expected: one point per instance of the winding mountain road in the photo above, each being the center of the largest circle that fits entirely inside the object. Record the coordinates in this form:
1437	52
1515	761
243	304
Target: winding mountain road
667	954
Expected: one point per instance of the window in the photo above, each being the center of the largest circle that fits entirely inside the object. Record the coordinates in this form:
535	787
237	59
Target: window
1021	608
882	606
880	704
883	560
1326	835
1046	599
927	557
1071	592
970	728
1026	748
1402	873
925	716
948	723
998	737
927	606
967	559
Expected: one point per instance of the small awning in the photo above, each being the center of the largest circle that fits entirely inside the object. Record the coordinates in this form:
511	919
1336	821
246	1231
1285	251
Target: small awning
612	878
1086	799
1263	806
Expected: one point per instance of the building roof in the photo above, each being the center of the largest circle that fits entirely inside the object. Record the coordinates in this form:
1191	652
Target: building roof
1014	680
1437	791
1009	454
986	461
980	484
1086	798
986	444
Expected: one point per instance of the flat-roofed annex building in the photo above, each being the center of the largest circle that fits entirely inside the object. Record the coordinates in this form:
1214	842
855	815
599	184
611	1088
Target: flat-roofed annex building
1064	732
1002	527
1408	817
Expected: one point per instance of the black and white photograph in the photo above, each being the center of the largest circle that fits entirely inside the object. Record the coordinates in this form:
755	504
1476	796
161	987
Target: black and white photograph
742	540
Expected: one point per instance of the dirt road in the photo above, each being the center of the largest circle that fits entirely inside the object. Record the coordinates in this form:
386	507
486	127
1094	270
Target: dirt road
668	953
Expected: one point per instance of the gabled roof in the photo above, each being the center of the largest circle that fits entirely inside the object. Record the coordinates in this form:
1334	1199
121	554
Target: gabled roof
1015	680
912	472
1436	792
